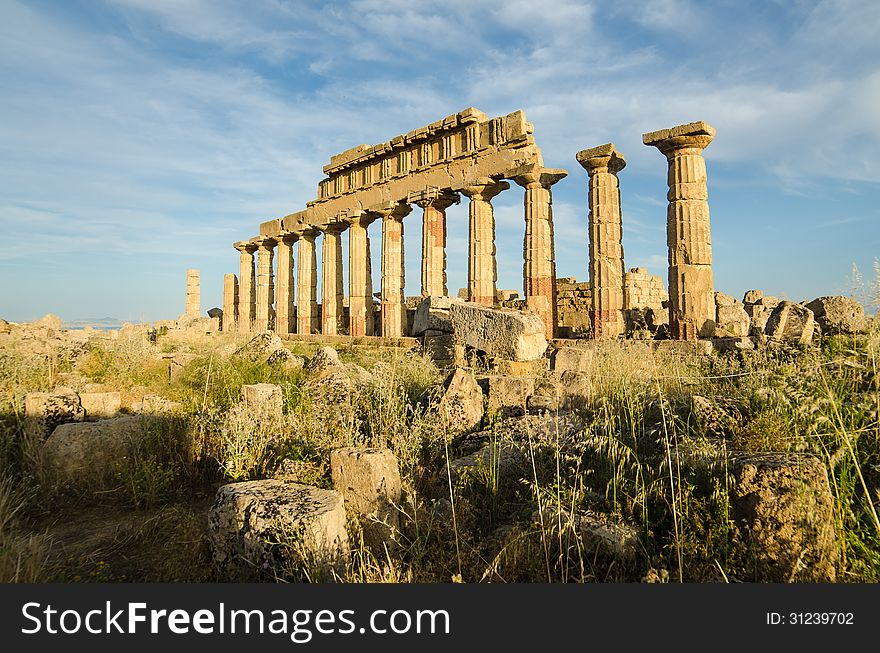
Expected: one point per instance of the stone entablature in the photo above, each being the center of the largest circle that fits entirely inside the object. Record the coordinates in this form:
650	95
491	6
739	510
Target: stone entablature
447	155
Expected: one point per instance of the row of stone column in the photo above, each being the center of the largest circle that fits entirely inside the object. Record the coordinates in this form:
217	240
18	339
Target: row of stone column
691	285
250	298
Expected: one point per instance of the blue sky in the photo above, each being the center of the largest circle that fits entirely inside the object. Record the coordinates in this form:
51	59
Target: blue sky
142	137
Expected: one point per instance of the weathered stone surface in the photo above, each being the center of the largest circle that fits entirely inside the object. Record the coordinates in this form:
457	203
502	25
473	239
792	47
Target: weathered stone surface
248	518
656	316
369	481
501	333
598	536
723	299
752	296
549	396
711	418
507	395
86	452
156	405
642	289
265	347
263	399
461	406
578	387
790	323
193	293
324	361
732	321
50	321
783	511
4	326
576	359
496	458
100	404
43	411
838	314
432	314
769	301
733	344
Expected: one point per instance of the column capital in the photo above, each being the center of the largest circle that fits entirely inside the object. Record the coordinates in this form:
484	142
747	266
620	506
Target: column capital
440	200
360	218
540	177
266	242
245	246
392	210
603	158
483	188
681	139
287	237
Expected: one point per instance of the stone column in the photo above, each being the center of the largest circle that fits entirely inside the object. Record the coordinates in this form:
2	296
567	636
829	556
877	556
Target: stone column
393	310
482	270
360	280
434	243
265	286
285	312
247	287
307	284
230	302
193	293
539	253
602	164
331	280
691	284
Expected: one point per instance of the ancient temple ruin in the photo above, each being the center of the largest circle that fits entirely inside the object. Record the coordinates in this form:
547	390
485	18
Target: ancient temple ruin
469	155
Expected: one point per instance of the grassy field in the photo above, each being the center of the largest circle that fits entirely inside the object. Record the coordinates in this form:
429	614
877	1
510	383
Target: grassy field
627	455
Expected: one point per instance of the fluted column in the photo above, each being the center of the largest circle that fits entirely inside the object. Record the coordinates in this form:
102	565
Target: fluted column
539	253
434	243
360	280
602	164
265	285
246	288
285	312
307	284
331	280
230	302
691	283
393	313
482	269
193	293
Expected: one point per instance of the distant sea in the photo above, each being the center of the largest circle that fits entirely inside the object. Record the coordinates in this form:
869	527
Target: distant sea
99	324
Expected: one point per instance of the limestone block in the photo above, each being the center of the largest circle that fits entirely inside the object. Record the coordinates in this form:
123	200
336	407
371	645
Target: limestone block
783	512
248	518
498	458
263	399
85	453
597	535
4	326
752	296
838	314
732	320
790	323
727	344
503	333
575	359
656	316
439	346
461	405
156	405
578	388
432	314
100	404
50	321
369	481
506	295
549	396
723	299
507	395
43	411
769	301
267	347
324	361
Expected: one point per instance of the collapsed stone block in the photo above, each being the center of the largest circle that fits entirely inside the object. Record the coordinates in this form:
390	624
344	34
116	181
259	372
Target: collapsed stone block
790	323
723	299
752	296
432	314
732	321
369	481
83	453
507	395
264	399
597	536
574	359
496	458
838	314
248	521
783	512
549	396
502	333
100	404
43	411
461	405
